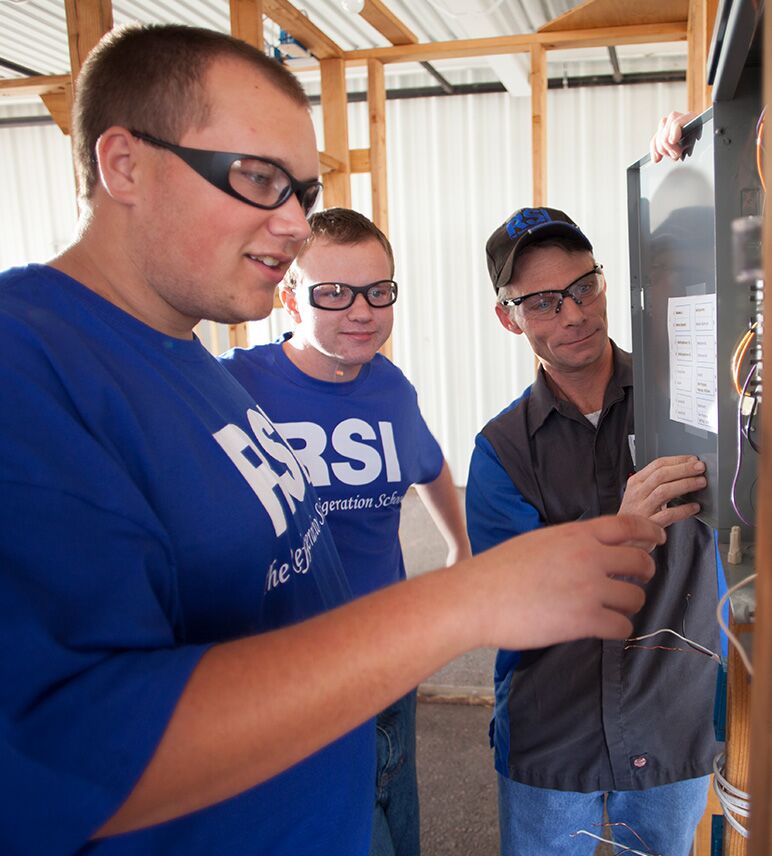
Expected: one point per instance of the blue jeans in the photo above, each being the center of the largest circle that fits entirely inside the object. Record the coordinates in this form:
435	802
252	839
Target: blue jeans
540	821
395	821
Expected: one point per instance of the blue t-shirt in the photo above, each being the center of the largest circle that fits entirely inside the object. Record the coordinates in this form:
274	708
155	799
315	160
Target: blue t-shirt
363	443
148	509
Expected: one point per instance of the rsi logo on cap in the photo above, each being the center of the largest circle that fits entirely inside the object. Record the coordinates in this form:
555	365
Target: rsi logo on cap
526	219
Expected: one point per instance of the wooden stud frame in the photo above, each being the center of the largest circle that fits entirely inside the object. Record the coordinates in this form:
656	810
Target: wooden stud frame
247	21
376	105
337	185
737	766
246	24
299	26
387	23
539	124
87	22
702	14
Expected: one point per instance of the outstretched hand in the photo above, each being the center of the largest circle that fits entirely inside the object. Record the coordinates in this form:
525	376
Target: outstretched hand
666	142
566	582
649	491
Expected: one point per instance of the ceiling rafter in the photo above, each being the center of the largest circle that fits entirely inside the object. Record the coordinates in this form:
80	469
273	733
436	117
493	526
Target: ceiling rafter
39	85
522	43
300	27
613	13
387	23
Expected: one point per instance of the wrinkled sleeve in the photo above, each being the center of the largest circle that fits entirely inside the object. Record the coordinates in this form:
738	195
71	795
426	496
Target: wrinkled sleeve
91	666
430	457
495	509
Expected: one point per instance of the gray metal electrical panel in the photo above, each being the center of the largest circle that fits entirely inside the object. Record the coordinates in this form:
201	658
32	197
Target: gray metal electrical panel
688	312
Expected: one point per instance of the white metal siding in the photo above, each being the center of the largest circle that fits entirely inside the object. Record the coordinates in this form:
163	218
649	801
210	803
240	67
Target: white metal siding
458	167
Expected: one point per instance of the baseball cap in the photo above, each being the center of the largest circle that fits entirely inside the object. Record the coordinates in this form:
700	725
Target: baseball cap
524	227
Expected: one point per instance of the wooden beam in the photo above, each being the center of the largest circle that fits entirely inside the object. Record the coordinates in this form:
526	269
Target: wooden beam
247	21
40	85
698	34
738	710
87	22
237	334
618	13
299	26
59	105
538	135
497	45
246	24
539	124
696	66
711	24
387	23
761	702
359	159
337	184
329	164
376	106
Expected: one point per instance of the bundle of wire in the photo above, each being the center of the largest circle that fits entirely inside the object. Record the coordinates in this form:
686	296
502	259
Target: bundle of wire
744	393
738	355
722	624
616	844
743	432
733	800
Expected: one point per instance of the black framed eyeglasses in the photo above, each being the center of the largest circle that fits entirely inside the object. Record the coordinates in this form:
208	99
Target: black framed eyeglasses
340	295
584	290
255	180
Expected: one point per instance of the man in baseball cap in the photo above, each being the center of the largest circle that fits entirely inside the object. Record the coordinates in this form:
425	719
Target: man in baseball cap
579	723
524	227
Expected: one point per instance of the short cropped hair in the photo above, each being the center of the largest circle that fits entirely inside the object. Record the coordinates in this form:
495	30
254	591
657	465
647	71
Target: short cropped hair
339	226
151	78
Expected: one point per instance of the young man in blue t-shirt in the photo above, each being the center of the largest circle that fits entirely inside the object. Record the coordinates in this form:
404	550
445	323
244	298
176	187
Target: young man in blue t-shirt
180	669
353	420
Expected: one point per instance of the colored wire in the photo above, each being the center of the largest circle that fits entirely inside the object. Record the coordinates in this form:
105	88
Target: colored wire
629	829
613	844
700	648
738	355
733	490
683	623
749	425
732	799
729	635
664	648
760	148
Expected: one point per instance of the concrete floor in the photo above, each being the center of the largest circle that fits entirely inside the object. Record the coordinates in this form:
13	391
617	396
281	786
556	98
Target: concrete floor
456	779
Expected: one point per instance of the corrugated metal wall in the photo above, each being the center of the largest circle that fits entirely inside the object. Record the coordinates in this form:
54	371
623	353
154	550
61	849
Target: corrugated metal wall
37	201
457	167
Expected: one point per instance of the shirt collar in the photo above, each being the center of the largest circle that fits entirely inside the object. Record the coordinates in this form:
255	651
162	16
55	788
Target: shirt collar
542	400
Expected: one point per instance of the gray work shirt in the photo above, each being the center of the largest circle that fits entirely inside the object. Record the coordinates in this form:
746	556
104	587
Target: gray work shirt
596	715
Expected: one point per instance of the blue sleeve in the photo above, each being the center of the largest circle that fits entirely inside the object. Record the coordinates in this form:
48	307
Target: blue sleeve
495	509
721	588
89	673
91	666
429	458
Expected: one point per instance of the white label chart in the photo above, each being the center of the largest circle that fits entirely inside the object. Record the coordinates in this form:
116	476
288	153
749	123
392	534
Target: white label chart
691	328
